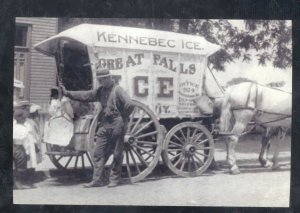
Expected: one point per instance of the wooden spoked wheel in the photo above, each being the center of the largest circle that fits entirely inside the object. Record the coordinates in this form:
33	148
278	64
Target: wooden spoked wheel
188	149
66	159
142	143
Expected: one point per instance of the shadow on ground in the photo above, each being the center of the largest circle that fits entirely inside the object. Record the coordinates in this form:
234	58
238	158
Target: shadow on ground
72	177
249	145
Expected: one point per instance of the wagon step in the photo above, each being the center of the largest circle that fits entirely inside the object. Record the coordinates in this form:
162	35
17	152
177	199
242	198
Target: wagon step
67	153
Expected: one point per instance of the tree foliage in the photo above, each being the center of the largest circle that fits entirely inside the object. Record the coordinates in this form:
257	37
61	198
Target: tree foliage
263	40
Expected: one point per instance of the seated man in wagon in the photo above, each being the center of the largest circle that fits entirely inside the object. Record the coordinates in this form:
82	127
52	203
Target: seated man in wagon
113	118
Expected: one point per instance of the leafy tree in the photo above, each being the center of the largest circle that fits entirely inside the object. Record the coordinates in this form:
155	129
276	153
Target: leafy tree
264	40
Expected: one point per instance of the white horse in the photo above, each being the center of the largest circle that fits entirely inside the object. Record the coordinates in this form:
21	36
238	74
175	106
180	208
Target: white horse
213	105
267	107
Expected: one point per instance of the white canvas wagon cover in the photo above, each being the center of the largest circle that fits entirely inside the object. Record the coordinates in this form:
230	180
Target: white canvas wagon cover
130	38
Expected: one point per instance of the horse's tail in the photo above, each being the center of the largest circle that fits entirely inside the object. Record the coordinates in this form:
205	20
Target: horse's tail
226	115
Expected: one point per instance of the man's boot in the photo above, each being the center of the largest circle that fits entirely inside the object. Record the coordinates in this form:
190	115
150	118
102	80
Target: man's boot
26	179
214	165
30	177
17	184
112	184
93	184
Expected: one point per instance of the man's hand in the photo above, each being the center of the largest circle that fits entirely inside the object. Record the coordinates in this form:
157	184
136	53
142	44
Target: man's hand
62	89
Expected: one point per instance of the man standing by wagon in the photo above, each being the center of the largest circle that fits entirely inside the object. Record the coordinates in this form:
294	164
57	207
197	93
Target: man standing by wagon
113	118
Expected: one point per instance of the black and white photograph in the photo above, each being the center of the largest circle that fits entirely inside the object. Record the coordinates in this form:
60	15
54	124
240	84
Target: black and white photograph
152	112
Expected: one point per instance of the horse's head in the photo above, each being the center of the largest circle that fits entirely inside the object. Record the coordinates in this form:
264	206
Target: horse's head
204	104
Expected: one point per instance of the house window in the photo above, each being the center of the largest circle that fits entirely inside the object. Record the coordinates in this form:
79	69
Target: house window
21	36
21	59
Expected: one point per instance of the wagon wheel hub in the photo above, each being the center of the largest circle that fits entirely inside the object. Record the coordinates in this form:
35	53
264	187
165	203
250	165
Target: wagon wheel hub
129	139
190	149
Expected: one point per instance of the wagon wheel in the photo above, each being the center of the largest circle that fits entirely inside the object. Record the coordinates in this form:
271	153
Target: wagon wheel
188	149
142	143
67	159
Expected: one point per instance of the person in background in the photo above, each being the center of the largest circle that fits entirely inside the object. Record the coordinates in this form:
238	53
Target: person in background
21	146
54	104
32	124
60	105
113	118
59	129
31	162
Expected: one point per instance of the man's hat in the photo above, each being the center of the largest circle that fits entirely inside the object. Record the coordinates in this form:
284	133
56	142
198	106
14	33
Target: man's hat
34	108
101	73
54	88
22	103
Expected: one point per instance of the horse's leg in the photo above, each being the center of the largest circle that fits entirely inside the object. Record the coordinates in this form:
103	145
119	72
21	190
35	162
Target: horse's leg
242	118
231	143
265	146
278	140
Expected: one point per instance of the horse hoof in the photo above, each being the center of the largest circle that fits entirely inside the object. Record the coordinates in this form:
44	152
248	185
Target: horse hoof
235	172
275	167
266	164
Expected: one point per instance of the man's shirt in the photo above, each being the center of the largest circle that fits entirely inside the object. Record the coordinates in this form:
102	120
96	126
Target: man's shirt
114	100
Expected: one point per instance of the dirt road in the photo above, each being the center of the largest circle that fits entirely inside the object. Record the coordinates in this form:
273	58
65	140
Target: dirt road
255	186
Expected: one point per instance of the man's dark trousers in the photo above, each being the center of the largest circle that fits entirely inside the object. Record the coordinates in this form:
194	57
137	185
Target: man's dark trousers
110	140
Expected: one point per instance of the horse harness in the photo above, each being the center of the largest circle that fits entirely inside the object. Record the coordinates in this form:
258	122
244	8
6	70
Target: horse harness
255	107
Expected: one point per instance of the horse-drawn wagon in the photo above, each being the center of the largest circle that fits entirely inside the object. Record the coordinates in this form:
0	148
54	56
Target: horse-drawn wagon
163	71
